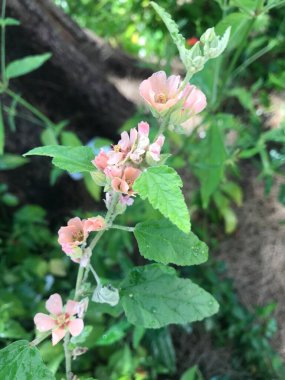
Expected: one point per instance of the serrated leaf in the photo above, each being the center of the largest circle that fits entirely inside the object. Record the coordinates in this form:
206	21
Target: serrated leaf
20	361
161	186
162	241
26	65
153	296
72	159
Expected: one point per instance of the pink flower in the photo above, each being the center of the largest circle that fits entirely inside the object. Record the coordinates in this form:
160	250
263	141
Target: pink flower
101	160
195	100
75	234
61	319
94	224
160	92
155	148
125	183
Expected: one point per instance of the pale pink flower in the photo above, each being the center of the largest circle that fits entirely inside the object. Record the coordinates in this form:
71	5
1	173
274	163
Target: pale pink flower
75	234
61	319
195	100
101	160
155	148
125	183
160	92
96	223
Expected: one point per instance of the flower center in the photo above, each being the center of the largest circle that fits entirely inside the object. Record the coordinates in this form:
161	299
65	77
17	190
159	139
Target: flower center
161	98
63	320
117	148
78	236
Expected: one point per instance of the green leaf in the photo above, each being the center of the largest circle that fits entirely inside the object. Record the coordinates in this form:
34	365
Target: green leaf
9	22
161	186
20	361
192	373
210	169
70	139
48	137
114	334
12	330
26	65
153	296
233	191
238	23
72	159
161	241
11	161
93	189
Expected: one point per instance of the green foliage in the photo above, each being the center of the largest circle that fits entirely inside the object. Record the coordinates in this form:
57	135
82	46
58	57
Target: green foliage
29	363
8	21
161	241
2	131
161	186
194	59
10	161
212	157
153	296
72	159
26	65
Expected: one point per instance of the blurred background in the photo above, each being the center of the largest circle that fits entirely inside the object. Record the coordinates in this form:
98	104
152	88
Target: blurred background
231	161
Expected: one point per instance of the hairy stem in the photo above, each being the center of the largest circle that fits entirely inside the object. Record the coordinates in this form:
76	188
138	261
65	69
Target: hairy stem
39	339
81	278
67	354
124	228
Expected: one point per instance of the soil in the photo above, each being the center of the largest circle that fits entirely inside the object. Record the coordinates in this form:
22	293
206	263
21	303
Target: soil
255	253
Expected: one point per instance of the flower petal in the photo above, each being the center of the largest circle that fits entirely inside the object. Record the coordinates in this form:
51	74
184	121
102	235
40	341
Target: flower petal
44	322
71	307
76	326
54	304
57	335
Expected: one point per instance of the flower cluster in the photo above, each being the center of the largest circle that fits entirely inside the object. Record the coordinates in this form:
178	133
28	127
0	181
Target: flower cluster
177	104
72	237
168	96
61	320
123	164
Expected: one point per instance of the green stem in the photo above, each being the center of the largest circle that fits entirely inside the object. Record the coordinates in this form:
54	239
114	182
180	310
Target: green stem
124	228
39	339
3	44
81	278
78	282
30	107
67	354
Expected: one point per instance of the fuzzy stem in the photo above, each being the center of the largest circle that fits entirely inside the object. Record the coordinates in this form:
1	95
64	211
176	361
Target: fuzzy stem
81	279
124	228
67	354
39	339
